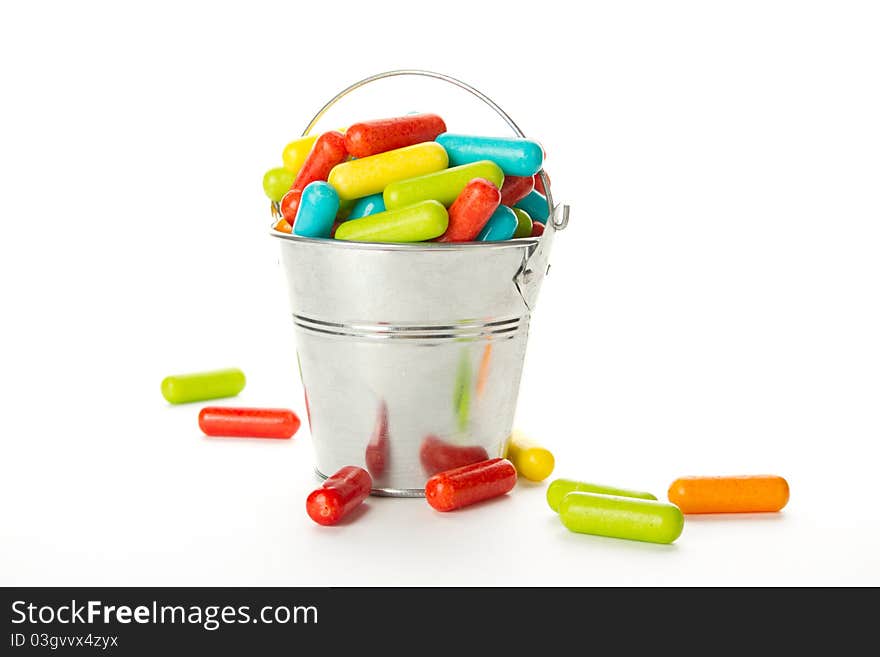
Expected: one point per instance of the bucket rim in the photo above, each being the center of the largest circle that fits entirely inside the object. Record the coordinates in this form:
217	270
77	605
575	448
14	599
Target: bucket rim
330	242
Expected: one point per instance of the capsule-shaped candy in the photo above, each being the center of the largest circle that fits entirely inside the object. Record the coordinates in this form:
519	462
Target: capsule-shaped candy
416	223
277	182
296	152
531	461
523	223
537	229
470	484
282	226
248	422
364	207
339	496
372	137
559	488
515	189
471	210
438	455
371	175
621	517
327	152
200	386
535	203
501	226
515	156
740	494
443	186
317	210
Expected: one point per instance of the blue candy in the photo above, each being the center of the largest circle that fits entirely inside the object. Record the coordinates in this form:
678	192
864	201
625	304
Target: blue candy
317	210
501	226
515	156
535	203
367	205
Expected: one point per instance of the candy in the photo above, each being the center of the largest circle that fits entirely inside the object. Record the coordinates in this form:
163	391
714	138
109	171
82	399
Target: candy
371	137
199	386
282	226
248	422
443	186
470	484
328	151
371	175
339	496
559	488
277	182
438	456
515	156
539	184
501	226
296	152
415	223
515	188
621	517
523	223
741	494
364	207
471	210
530	460
535	203
317	210
376	453
537	229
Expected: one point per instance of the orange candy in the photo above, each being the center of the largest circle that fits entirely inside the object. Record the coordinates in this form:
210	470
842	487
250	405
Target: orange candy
739	494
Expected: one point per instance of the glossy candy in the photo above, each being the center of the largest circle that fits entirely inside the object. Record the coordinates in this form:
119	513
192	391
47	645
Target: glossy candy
371	175
283	226
501	226
364	207
317	210
470	484
515	156
535	203
438	455
531	461
471	210
537	229
200	386
248	422
339	496
296	152
621	517
277	182
415	223
443	186
523	223
327	152
559	488
371	137
515	188
742	494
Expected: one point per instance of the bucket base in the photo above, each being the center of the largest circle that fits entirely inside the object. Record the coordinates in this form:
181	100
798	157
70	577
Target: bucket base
386	492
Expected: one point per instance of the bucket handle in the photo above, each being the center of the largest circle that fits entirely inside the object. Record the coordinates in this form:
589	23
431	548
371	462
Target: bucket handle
558	219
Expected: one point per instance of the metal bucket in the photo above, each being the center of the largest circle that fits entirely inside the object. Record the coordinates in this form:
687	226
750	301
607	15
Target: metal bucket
411	354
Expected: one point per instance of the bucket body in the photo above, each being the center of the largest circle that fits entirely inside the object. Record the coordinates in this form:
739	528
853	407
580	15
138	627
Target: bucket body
411	354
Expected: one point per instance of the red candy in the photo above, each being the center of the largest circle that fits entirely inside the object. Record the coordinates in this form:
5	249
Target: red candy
439	456
376	454
515	189
539	184
328	151
339	495
372	137
471	210
537	229
470	484
248	422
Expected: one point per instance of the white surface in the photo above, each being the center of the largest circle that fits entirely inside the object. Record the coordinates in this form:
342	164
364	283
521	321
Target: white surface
713	307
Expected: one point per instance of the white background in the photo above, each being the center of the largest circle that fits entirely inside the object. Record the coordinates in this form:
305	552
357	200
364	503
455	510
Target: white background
712	308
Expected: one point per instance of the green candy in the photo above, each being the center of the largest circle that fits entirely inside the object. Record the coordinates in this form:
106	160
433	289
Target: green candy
621	517
443	186
414	223
183	388
523	223
559	488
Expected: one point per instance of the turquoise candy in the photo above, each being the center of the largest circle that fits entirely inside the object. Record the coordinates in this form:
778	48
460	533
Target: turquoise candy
501	226
535	203
516	156
317	210
364	207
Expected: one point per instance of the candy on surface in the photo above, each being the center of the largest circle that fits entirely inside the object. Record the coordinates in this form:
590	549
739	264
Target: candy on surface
539	184
415	223
372	174
296	152
736	494
282	226
364	207
537	229
443	186
372	137
531	461
277	182
515	188
471	210
559	488
339	496
200	386
317	210
438	455
501	226
516	156
523	223
621	517
535	203
376	453
470	484
248	422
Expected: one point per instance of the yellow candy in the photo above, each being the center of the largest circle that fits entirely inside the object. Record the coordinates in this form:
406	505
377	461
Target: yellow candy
530	460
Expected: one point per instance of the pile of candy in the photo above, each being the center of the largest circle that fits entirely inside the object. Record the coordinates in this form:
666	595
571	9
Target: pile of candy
407	179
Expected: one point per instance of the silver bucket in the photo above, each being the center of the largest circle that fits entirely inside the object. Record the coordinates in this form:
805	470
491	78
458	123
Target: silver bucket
411	354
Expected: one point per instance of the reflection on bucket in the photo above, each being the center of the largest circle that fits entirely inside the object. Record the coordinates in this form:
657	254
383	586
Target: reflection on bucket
483	375
376	454
461	396
438	456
